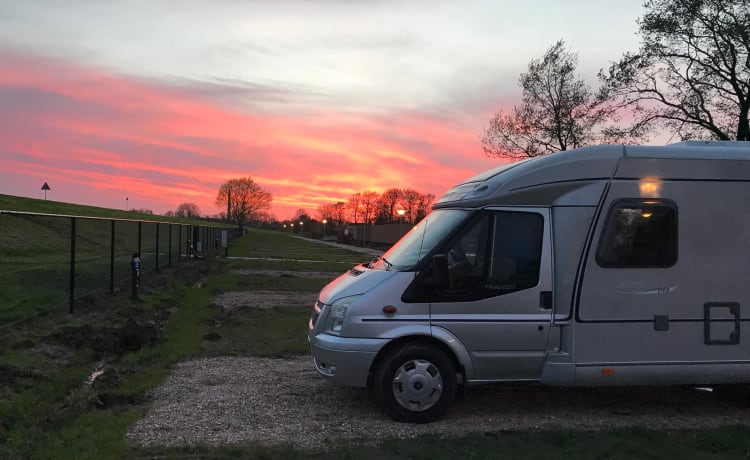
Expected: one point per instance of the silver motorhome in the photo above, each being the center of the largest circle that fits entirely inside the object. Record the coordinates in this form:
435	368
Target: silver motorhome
607	265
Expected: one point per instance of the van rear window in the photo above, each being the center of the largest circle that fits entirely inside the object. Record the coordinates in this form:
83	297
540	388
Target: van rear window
638	234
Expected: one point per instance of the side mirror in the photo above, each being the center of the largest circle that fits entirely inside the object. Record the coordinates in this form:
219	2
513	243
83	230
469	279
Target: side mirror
440	268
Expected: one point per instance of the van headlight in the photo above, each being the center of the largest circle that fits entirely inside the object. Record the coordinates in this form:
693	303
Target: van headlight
337	314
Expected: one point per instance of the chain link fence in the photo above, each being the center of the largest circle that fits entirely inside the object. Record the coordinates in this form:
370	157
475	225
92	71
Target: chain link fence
48	261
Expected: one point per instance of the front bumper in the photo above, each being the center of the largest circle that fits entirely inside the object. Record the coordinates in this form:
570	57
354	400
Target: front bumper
344	360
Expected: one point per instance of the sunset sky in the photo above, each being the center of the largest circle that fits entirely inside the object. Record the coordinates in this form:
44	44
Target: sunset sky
162	101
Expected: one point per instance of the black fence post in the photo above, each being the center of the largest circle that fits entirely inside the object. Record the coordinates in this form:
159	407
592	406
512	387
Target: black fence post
169	254
179	242
72	262
112	258
157	246
139	238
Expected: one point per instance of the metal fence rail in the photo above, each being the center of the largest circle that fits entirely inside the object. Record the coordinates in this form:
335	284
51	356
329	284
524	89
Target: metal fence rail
48	260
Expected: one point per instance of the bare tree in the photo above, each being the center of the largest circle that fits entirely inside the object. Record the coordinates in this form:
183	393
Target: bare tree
188	211
369	200
409	202
354	207
334	213
558	112
387	205
339	213
301	215
692	72
326	211
246	200
424	204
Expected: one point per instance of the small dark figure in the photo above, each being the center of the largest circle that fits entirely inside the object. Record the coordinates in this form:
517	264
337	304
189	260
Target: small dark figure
135	264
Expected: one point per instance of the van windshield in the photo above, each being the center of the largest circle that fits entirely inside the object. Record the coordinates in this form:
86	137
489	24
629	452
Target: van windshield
420	240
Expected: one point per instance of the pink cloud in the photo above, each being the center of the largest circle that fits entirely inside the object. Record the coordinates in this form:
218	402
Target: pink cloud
98	137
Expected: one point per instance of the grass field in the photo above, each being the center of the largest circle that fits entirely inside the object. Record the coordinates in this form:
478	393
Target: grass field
23	204
35	251
48	410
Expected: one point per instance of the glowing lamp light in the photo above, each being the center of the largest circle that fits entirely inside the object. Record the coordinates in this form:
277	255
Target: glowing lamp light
650	187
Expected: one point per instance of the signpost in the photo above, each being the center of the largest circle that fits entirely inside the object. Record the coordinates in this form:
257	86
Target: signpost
45	187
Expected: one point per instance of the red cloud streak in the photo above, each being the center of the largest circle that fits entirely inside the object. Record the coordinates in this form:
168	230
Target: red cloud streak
98	138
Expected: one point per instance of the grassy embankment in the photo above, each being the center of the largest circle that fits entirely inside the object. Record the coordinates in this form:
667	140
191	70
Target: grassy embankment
48	411
35	252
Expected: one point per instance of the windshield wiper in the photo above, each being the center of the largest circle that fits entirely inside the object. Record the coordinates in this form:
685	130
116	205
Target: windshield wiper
388	265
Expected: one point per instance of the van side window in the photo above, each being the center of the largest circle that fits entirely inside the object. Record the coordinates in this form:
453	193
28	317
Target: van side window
638	234
497	254
516	250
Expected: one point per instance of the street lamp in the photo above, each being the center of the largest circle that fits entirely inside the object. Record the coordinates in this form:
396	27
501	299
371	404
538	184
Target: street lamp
401	213
292	225
300	227
325	221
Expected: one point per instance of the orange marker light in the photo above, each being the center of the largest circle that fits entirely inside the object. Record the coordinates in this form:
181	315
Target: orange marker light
389	309
608	371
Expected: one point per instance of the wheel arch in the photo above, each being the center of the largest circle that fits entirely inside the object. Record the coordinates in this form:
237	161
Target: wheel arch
457	353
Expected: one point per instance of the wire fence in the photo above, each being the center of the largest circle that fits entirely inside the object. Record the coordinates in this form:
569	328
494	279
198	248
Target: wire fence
49	260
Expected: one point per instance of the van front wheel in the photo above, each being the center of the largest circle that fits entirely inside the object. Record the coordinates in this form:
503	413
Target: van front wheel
416	384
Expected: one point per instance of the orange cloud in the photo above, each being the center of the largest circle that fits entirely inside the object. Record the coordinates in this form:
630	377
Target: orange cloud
98	138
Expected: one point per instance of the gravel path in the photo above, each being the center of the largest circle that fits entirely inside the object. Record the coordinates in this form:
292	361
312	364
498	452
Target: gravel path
232	400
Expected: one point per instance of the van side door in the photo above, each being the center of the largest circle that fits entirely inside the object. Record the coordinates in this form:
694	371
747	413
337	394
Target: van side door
498	301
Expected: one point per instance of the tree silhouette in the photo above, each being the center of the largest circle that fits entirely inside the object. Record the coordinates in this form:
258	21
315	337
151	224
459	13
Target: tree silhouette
245	200
692	72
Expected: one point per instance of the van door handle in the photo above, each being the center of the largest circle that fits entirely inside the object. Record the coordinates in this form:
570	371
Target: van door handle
545	300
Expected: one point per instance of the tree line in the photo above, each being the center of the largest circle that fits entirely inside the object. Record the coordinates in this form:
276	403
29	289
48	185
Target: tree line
246	202
393	205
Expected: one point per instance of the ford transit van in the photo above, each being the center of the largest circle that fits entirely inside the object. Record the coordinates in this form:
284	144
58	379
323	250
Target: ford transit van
606	265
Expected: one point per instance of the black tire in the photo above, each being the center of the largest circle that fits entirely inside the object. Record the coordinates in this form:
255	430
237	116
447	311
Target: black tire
416	383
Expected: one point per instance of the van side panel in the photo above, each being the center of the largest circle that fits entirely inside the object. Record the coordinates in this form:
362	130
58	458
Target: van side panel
641	322
684	169
570	225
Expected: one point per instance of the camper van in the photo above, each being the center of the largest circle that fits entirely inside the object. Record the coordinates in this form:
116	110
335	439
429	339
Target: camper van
605	265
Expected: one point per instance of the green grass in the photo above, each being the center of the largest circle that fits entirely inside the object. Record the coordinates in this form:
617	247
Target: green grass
93	435
258	332
262	282
35	252
53	414
277	245
23	204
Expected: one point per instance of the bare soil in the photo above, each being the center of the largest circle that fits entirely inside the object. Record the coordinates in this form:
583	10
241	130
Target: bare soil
288	273
264	299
